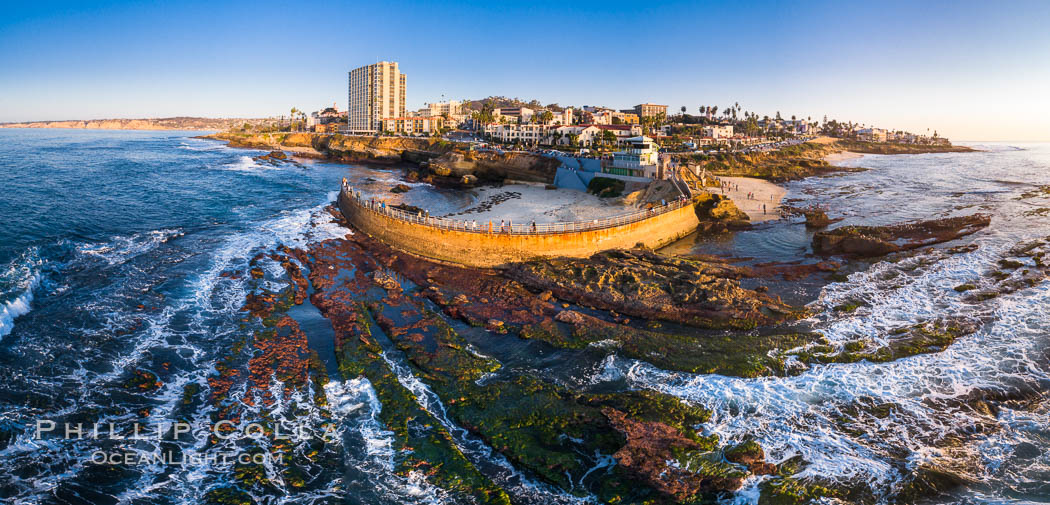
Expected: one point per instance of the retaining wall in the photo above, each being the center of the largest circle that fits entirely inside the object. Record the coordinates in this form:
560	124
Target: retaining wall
496	249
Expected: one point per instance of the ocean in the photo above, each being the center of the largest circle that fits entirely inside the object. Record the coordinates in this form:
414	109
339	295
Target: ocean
115	253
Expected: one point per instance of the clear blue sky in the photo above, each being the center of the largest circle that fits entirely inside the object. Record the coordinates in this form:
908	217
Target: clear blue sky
971	70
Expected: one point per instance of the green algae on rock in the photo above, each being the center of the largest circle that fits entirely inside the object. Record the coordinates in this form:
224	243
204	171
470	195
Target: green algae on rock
922	338
641	283
748	353
544	428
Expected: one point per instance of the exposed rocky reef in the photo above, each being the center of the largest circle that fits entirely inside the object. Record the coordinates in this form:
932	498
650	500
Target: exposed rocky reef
428	159
546	428
858	146
870	241
789	163
647	285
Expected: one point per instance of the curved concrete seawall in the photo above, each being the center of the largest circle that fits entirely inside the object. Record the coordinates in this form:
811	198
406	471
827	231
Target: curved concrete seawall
483	249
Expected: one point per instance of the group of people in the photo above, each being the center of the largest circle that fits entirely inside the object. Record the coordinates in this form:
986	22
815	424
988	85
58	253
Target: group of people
505	226
728	186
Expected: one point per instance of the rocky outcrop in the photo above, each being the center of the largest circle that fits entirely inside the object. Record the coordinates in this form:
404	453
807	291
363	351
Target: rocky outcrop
343	148
870	241
276	158
816	218
790	163
651	446
641	283
719	213
495	166
857	146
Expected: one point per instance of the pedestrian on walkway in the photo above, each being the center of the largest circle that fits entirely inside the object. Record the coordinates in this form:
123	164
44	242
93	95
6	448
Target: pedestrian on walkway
763	208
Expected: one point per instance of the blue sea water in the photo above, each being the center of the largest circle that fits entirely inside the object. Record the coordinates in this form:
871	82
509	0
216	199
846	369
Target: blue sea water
113	246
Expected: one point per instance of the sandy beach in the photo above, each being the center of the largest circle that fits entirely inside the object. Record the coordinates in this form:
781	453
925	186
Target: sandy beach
525	202
842	156
766	193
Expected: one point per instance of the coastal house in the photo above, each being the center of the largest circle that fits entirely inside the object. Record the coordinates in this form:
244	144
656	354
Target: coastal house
564	117
871	135
626	118
623	132
415	126
526	133
639	159
326	116
718	131
514	114
644	110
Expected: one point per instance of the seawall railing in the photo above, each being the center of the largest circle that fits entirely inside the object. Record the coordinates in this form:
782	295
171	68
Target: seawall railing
506	227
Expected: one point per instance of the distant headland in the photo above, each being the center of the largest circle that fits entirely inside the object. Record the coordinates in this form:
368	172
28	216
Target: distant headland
168	123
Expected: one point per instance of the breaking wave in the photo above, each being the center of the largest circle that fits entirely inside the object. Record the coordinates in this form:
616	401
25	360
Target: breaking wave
19	280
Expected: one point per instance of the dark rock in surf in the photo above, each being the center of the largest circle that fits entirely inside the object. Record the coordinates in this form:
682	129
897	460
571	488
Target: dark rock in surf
870	241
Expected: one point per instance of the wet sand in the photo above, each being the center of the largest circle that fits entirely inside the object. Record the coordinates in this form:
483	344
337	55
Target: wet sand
765	192
841	156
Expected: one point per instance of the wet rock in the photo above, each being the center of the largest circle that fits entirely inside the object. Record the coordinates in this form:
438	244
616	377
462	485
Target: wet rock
273	158
816	218
870	241
719	212
400	188
411	209
570	317
927	337
747	453
641	283
1025	450
386	281
143	380
651	446
495	325
929	481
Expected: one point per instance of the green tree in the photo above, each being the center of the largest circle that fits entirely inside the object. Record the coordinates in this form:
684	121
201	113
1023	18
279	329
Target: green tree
608	137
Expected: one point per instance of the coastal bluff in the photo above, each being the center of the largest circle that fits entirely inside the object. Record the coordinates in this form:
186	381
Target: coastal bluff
436	160
478	247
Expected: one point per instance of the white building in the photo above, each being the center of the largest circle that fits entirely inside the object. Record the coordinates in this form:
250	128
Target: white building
413	126
450	108
376	92
718	131
640	159
514	114
559	118
527	133
871	135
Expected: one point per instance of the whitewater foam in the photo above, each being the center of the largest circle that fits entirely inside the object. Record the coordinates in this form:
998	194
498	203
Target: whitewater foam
120	249
23	277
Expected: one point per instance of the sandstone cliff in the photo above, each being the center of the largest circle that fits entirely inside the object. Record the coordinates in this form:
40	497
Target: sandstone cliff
342	147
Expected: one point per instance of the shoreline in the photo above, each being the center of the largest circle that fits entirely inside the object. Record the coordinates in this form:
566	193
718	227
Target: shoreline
766	193
841	156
